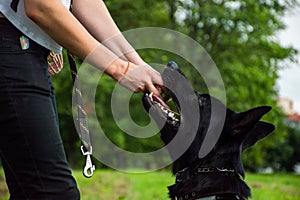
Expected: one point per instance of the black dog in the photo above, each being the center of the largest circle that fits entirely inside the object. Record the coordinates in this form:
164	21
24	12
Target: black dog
210	166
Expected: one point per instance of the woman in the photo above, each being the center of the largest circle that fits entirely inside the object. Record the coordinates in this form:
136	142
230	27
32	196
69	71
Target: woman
31	149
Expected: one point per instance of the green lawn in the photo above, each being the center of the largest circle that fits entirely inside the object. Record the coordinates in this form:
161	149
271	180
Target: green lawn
114	185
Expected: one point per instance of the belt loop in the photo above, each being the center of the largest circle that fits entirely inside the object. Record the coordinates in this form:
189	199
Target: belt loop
14	5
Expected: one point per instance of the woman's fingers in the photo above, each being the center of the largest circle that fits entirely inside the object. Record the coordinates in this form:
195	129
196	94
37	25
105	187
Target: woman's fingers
151	88
142	79
55	63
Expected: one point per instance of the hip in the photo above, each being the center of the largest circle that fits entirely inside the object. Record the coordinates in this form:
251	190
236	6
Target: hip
22	70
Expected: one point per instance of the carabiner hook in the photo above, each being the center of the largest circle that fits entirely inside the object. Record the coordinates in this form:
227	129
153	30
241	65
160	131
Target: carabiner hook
89	167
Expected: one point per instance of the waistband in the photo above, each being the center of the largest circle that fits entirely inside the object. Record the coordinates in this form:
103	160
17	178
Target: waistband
8	30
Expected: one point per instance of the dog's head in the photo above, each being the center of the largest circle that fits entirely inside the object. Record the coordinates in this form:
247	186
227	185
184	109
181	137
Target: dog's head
213	134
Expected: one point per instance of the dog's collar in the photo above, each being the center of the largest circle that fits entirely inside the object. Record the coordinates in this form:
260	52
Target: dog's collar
225	170
185	173
195	196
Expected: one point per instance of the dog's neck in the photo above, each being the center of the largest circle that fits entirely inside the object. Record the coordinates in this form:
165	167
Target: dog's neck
205	181
220	172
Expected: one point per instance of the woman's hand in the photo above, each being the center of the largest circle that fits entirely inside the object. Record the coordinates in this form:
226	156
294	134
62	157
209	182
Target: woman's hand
55	63
141	78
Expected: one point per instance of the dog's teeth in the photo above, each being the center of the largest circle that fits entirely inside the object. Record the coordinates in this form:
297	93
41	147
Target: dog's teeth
170	114
150	95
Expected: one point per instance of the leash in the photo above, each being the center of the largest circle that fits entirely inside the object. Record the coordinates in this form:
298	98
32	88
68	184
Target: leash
84	134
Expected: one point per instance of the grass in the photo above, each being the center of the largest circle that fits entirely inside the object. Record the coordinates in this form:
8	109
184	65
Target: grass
114	185
274	186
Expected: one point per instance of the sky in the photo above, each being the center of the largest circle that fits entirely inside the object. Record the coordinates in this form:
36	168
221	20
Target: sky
289	81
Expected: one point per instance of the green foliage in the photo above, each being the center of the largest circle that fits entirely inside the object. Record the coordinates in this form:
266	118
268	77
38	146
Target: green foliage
240	38
143	13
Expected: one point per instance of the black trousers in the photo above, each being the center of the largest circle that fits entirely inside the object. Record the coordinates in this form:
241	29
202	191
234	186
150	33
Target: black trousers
31	148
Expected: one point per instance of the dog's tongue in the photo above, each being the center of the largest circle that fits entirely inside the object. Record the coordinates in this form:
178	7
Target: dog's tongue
159	100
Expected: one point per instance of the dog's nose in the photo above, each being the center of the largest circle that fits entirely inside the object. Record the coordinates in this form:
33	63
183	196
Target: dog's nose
173	65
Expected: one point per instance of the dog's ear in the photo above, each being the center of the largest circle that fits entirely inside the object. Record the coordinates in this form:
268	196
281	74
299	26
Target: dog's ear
244	121
260	130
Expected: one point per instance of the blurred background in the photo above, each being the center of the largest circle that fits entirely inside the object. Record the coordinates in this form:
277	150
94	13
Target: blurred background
254	44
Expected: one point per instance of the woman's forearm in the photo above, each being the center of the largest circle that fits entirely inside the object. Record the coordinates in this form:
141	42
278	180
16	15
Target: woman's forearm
94	15
64	28
75	36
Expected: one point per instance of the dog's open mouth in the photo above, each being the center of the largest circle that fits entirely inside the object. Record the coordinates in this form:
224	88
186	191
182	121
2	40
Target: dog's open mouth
166	107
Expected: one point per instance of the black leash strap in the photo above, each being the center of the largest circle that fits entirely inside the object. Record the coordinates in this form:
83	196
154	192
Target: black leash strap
84	135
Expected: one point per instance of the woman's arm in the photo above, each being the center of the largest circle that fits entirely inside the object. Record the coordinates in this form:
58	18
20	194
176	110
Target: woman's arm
94	15
64	28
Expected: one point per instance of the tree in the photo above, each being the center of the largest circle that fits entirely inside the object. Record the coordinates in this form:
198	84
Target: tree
287	154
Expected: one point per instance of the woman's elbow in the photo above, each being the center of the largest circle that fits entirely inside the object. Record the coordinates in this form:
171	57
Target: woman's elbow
36	10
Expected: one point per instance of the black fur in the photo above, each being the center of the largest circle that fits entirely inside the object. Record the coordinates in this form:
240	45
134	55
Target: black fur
238	132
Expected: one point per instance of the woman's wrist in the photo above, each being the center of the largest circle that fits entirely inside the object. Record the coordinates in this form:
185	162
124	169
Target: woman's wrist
135	58
117	69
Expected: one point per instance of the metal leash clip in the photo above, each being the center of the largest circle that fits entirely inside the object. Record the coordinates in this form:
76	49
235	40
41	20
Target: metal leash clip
89	167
